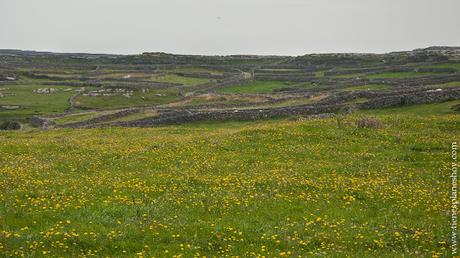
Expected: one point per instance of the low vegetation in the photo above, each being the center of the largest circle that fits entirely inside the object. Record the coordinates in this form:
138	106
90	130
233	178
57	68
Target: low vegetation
173	78
162	155
274	188
263	87
368	87
26	103
401	75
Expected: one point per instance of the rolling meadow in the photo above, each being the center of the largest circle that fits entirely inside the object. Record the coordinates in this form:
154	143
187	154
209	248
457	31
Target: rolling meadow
272	188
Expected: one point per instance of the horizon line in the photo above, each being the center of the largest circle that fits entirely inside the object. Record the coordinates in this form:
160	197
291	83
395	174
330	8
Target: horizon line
186	54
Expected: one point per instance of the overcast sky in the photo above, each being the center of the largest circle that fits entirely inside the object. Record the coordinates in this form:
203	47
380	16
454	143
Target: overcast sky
217	27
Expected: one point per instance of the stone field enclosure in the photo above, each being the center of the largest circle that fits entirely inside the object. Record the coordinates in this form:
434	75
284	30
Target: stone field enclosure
162	155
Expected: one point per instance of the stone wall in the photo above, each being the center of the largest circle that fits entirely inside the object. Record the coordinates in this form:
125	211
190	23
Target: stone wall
424	97
177	117
294	75
156	85
204	75
100	119
377	99
40	122
332	104
235	80
417	81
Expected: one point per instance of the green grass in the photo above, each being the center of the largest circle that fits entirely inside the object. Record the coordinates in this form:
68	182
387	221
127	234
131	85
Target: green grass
368	87
118	101
187	81
260	87
444	108
31	103
136	116
290	102
400	75
319	74
74	118
357	101
201	101
272	188
284	187
350	75
453	65
387	75
197	69
78	117
447	85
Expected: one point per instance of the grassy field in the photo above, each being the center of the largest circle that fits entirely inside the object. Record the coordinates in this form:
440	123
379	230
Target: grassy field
454	65
368	87
188	81
259	87
78	117
418	110
447	84
75	117
31	103
137	99
198	70
270	188
139	115
400	75
204	101
387	75
357	101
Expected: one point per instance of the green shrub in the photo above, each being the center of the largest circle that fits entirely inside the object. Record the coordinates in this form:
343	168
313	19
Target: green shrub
10	125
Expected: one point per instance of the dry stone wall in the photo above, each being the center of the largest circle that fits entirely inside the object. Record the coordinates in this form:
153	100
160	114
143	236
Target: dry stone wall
178	117
100	119
424	97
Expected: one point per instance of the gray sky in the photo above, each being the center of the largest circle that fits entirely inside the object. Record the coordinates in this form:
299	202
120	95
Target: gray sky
284	27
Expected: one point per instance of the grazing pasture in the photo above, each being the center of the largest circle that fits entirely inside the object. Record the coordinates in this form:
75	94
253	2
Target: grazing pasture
273	188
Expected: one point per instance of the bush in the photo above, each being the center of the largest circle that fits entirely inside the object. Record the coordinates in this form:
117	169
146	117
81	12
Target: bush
369	122
10	125
456	108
